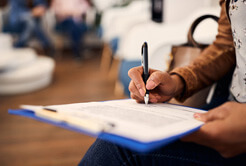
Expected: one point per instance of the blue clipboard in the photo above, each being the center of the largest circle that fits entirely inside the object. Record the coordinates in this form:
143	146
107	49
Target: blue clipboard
119	140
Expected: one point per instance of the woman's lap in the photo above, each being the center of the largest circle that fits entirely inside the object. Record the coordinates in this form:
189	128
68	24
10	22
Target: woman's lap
178	153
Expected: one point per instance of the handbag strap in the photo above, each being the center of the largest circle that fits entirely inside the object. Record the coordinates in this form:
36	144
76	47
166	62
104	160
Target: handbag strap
191	40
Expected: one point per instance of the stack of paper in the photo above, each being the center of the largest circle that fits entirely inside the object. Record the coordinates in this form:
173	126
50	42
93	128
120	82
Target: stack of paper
139	127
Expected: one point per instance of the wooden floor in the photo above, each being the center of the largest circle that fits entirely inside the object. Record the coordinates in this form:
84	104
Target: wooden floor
26	142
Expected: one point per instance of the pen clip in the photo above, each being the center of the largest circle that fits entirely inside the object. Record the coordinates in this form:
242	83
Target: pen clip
142	56
145	61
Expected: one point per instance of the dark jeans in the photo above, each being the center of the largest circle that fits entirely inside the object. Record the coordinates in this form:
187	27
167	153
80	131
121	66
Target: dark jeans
75	30
103	153
27	27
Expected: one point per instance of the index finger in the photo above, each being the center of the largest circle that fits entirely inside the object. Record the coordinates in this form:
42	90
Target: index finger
136	75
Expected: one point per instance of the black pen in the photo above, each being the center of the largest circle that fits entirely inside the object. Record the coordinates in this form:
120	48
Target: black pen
145	69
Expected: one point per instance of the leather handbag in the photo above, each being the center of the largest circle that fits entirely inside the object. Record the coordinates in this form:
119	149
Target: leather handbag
183	55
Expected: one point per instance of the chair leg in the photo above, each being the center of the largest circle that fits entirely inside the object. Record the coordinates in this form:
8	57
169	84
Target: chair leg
113	72
119	89
106	59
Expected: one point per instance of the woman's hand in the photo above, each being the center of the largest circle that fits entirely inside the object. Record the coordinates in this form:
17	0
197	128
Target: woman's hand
224	129
161	85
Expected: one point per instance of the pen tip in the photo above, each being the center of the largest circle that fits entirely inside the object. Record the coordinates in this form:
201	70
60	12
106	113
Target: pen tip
146	99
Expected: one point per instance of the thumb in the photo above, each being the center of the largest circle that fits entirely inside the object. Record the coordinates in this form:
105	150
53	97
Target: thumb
214	114
155	79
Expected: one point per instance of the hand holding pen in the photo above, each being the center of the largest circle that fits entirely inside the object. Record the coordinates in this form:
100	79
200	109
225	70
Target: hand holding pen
156	85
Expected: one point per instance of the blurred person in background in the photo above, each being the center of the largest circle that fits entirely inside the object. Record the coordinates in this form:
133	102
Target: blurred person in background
71	17
25	19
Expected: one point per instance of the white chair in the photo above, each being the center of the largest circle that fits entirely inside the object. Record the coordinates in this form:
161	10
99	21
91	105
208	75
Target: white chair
15	58
158	35
106	4
6	41
117	21
23	71
27	78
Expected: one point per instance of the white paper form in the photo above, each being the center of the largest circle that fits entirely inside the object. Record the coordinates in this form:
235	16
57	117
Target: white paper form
144	123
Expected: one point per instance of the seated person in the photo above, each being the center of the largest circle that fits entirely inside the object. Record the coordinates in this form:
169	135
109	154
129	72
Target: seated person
222	139
25	19
71	17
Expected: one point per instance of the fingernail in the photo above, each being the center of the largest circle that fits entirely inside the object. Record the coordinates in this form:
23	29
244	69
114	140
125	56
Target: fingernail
150	84
142	92
197	116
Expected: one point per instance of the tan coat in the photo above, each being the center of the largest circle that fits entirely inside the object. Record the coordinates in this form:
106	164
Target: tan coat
215	61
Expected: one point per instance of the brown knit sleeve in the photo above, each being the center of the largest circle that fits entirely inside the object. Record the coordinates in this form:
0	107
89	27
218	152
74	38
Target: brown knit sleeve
213	63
